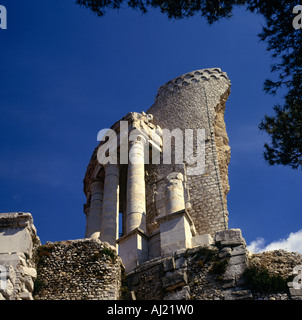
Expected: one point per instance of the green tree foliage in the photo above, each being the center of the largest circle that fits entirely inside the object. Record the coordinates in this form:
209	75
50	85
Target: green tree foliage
213	10
284	44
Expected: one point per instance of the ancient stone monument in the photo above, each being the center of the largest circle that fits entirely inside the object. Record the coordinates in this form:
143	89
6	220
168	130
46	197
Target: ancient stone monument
163	206
156	214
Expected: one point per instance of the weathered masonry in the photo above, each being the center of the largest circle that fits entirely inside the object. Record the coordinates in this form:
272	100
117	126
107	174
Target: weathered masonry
156	209
150	208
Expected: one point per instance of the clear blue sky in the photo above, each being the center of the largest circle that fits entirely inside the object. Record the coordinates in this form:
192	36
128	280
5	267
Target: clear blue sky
65	74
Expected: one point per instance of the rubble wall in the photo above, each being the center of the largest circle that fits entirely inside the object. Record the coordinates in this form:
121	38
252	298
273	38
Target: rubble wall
85	269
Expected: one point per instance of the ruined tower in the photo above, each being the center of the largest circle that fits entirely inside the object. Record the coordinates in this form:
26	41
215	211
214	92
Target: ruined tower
197	100
164	206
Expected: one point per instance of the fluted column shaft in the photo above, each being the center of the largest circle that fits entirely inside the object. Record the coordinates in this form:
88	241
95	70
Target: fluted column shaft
110	213
136	195
93	228
174	198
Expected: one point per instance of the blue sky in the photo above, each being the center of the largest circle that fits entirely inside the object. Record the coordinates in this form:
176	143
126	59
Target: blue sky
65	74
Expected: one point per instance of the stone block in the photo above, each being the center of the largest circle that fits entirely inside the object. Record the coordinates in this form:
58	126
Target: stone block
182	294
133	249
28	281
234	272
295	292
202	240
169	264
180	262
29	271
176	279
231	237
238	250
15	240
11	274
25	295
7	259
238	295
225	252
154	245
242	259
175	232
17	233
6	288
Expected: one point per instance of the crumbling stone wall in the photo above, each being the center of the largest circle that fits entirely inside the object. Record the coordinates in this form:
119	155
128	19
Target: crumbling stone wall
278	263
85	269
222	147
202	273
213	272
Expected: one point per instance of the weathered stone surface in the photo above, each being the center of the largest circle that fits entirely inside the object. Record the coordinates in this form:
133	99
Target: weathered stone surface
7	289
182	294
174	195
196	100
238	295
225	252
175	279
29	283
234	272
169	264
25	295
180	262
32	272
238	250
83	269
16	232
235	260
170	214
146	193
18	240
133	249
231	237
110	208
202	240
175	232
277	261
295	292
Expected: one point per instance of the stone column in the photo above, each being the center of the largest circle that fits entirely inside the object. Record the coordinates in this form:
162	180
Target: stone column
110	213
176	227
86	211
136	197
174	199
93	227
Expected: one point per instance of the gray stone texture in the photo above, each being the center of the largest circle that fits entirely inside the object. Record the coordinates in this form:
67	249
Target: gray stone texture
147	193
84	269
18	240
175	242
196	100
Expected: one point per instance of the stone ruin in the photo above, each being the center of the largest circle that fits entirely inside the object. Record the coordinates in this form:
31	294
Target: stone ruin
18	240
163	224
163	207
